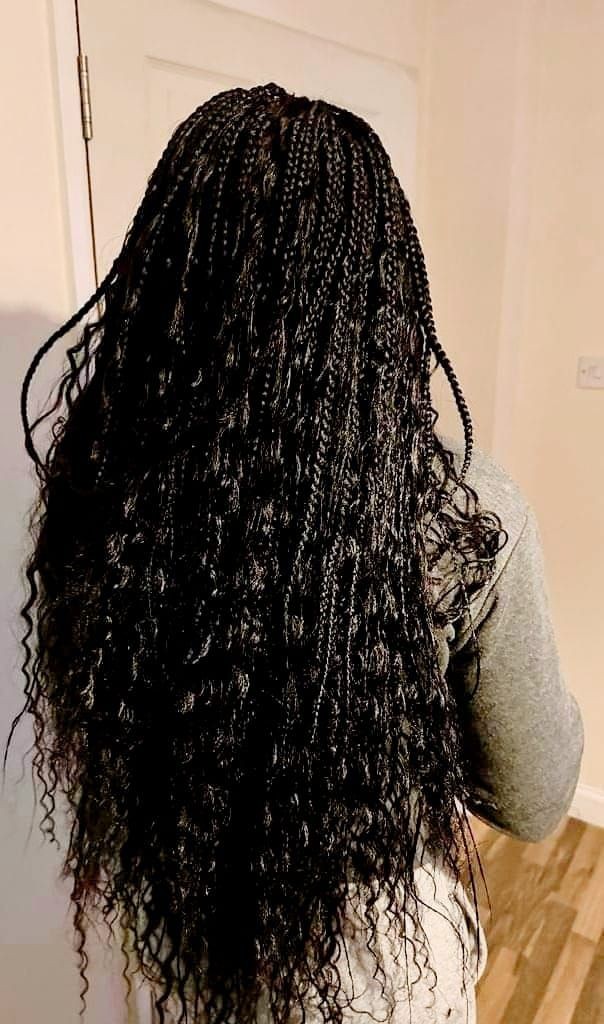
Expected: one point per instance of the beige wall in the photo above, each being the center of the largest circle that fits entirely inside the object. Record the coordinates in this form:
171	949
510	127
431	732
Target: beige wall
511	214
465	153
562	465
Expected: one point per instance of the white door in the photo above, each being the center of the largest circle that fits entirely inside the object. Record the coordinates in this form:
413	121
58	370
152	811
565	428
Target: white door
152	62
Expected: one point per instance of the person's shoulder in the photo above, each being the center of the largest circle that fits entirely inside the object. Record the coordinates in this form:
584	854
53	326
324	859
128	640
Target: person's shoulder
497	492
496	489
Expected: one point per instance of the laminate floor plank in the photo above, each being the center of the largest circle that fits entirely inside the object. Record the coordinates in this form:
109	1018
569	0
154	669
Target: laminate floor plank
545	931
590	1006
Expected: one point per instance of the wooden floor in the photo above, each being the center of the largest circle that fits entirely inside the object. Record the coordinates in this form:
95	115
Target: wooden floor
545	932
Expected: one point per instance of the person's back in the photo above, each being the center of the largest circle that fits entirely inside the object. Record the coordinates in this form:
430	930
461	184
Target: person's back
257	578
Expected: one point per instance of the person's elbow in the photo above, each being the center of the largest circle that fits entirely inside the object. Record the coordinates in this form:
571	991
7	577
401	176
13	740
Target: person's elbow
561	786
532	806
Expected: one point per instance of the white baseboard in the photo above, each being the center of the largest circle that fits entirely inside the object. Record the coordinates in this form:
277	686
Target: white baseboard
588	805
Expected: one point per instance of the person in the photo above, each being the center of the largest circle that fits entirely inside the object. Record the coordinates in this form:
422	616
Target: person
286	634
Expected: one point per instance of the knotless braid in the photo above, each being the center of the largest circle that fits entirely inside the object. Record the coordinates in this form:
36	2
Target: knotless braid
330	258
235	129
418	268
368	240
358	226
182	132
297	139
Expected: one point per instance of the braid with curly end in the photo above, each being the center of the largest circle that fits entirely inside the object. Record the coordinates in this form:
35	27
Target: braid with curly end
242	518
338	338
424	302
216	105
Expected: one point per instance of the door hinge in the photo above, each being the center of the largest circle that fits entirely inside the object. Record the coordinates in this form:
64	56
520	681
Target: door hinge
85	96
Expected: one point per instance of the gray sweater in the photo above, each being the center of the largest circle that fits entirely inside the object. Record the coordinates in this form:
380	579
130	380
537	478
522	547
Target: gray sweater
524	730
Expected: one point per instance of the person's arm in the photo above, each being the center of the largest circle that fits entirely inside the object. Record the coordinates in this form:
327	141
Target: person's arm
523	732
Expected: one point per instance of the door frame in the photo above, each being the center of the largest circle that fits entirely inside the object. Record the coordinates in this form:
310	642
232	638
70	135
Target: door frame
72	150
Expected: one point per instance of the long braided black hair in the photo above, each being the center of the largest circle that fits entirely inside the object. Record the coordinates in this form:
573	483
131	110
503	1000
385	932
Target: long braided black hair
241	518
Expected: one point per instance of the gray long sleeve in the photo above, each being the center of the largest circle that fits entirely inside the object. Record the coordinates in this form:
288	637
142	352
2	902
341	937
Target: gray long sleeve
523	728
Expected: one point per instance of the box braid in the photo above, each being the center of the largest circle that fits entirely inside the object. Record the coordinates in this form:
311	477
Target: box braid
422	292
359	223
329	255
211	111
299	139
217	106
241	526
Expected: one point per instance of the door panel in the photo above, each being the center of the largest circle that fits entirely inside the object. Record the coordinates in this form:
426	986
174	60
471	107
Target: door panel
152	63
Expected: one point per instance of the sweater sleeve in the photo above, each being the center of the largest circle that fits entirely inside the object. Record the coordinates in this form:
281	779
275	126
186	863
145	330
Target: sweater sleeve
522	728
